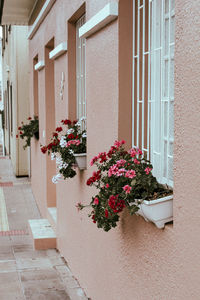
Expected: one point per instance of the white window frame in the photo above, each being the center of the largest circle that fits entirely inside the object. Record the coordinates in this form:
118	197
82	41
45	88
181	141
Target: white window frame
80	75
154	55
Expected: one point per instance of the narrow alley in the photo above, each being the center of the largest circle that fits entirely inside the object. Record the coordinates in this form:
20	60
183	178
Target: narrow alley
24	272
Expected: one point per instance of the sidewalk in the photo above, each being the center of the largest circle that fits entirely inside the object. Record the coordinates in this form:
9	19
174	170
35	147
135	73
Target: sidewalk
26	274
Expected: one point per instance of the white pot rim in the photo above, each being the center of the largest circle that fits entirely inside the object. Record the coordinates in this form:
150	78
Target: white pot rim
80	154
159	200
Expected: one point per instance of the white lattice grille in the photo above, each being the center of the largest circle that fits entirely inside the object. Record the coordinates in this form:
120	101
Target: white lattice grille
80	75
153	83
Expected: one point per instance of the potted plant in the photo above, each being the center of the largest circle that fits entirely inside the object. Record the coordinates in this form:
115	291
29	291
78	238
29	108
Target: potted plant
64	144
123	180
27	131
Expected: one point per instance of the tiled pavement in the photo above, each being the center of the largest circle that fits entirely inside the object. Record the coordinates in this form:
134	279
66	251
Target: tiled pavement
24	272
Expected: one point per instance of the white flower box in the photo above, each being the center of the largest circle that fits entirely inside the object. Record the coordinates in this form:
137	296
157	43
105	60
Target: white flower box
81	160
159	211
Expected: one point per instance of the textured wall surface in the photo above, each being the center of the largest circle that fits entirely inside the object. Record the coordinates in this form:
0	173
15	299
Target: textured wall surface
136	260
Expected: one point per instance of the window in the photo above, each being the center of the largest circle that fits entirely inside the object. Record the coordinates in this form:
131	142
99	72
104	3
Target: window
153	83
80	75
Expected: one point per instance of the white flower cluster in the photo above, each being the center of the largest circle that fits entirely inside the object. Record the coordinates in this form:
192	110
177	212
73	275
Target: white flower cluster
58	160
60	164
69	131
79	123
56	178
63	142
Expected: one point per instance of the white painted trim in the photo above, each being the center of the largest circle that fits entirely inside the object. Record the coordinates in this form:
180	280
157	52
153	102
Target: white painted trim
43	13
98	21
39	66
58	51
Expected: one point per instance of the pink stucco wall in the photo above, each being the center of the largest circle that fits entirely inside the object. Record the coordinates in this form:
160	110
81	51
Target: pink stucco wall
136	260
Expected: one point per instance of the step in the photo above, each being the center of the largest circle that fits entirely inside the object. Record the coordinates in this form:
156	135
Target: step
52	217
42	233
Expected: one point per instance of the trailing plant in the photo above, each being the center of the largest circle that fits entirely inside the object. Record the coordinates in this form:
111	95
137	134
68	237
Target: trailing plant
123	179
27	131
67	140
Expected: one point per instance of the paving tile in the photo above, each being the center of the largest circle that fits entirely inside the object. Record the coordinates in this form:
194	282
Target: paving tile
7	266
6	252
48	295
36	275
57	261
10	287
26	251
49	286
52	252
21	240
5	241
33	263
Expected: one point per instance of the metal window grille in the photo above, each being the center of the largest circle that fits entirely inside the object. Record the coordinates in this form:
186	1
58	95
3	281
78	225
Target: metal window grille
153	83
80	75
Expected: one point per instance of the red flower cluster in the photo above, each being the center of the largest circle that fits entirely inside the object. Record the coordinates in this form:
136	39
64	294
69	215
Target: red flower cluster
116	204
59	129
93	218
102	157
55	134
106	213
111	151
29	118
66	122
71	136
44	149
95	177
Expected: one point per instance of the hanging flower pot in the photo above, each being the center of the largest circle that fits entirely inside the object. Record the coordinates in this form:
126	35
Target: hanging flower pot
81	160
158	211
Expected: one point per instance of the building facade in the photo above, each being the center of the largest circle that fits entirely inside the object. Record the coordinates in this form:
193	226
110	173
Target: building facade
133	73
15	93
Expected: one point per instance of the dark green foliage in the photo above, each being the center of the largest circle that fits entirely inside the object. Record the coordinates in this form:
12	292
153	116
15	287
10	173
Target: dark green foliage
27	131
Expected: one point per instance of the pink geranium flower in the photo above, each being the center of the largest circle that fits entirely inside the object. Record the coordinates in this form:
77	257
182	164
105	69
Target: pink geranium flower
73	142
119	143
130	174
96	201
136	161
148	170
94	159
121	162
127	188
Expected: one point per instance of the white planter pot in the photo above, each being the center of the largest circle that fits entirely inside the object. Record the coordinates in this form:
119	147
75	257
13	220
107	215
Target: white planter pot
159	211
81	160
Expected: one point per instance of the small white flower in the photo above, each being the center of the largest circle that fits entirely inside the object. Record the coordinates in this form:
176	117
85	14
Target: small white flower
53	156
69	131
84	135
71	151
59	160
65	165
56	178
78	124
63	142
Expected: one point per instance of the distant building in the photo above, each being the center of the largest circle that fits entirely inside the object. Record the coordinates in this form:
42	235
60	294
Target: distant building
15	93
